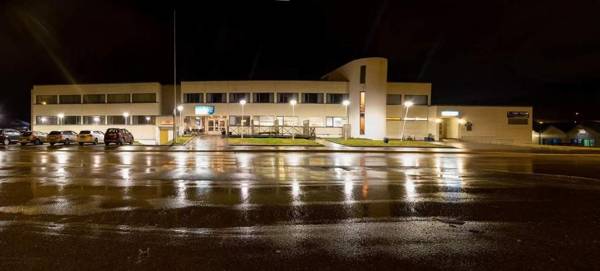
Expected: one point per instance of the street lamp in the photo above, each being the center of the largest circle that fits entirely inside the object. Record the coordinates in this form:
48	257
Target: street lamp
293	103
60	117
96	119
180	109
407	104
242	103
126	116
346	103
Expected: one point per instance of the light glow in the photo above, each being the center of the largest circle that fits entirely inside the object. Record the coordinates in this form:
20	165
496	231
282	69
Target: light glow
450	113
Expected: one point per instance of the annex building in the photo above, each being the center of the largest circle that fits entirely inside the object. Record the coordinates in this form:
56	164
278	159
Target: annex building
357	96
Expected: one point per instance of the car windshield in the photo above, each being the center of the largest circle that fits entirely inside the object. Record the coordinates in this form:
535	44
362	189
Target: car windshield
85	132
27	133
112	131
55	133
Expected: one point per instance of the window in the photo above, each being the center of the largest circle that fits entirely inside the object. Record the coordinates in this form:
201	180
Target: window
334	121
144	97
263	97
237	120
94	99
361	108
216	98
287	121
312	98
237	97
363	74
118	98
115	120
46	99
518	117
143	120
46	120
69	99
94	120
71	120
264	120
394	99
336	98
193	98
417	99
286	97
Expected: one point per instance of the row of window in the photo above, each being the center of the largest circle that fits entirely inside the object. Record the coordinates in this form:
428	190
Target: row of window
285	121
117	98
95	120
396	99
265	97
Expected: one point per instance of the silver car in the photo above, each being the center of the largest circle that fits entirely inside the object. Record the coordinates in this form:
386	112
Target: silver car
92	137
65	137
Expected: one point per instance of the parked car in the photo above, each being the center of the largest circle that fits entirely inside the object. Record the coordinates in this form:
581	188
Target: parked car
65	137
33	137
118	136
9	136
87	136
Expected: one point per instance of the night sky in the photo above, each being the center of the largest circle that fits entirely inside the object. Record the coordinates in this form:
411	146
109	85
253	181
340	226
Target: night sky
540	53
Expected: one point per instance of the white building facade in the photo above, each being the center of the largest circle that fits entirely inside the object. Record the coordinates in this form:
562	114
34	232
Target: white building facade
376	108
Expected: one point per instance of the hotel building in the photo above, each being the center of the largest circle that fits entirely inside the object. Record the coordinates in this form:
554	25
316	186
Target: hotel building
376	108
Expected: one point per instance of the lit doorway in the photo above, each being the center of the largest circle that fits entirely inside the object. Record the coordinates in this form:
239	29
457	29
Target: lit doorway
448	128
215	125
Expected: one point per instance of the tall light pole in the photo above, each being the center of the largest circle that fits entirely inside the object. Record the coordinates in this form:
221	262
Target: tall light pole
180	109
407	104
346	103
242	103
125	116
293	103
174	76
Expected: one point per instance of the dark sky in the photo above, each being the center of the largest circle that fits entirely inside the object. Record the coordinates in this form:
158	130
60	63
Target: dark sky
540	53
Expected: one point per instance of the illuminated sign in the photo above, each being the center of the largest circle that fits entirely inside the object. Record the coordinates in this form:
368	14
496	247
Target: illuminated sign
450	113
204	110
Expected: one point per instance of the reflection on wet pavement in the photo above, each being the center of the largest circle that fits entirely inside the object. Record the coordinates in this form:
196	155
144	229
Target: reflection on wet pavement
355	194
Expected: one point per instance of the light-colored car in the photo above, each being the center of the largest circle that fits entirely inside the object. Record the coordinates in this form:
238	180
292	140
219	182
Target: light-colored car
33	137
65	137
92	137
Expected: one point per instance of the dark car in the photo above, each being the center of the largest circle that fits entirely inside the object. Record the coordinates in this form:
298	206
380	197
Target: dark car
9	136
118	136
33	137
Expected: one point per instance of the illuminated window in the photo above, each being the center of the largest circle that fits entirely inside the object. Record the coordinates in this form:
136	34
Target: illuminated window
362	112
417	99
98	120
46	99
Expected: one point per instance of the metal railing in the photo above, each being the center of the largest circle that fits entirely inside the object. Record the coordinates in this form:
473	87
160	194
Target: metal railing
254	130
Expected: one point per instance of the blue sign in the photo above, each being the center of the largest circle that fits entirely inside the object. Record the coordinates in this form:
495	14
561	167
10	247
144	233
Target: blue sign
204	110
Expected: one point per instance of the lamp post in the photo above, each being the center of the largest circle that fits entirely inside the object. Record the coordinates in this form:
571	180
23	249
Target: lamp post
293	103
346	103
407	104
126	116
60	117
180	109
242	103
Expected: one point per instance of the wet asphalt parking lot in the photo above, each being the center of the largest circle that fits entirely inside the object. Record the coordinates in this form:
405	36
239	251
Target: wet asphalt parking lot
68	208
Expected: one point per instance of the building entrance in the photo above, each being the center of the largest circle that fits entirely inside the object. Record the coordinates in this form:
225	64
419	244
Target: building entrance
448	128
215	125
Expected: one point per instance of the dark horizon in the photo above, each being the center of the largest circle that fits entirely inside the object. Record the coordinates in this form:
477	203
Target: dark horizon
494	53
